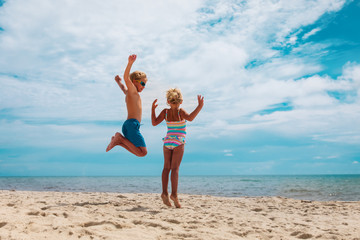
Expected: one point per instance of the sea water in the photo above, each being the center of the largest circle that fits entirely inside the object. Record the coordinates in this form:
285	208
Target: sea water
305	187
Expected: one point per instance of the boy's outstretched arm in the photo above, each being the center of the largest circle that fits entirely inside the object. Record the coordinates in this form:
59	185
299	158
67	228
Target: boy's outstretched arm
192	115
130	86
156	120
122	87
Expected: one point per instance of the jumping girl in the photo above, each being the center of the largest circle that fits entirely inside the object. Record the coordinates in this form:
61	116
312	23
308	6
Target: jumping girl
174	141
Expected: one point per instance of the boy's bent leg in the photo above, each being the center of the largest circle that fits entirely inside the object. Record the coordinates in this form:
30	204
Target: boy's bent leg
120	140
141	151
138	151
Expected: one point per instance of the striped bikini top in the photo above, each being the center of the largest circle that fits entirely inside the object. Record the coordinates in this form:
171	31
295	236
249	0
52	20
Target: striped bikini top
176	129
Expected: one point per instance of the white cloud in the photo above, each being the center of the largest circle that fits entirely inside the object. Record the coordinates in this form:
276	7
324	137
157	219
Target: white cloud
58	61
328	157
228	153
355	162
312	32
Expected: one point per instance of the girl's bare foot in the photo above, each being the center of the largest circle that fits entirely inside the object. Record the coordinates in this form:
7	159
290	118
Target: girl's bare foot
166	199
176	201
115	140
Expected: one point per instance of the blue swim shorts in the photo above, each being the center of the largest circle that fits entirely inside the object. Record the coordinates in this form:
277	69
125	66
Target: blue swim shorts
131	130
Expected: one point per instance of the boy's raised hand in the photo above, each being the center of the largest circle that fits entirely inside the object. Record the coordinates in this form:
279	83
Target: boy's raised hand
117	79
200	100
154	105
132	58
121	85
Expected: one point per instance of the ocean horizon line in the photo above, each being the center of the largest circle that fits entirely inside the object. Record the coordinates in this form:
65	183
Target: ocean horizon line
207	175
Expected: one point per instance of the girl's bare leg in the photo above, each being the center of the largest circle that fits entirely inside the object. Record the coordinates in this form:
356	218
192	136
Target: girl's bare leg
120	140
165	176
177	156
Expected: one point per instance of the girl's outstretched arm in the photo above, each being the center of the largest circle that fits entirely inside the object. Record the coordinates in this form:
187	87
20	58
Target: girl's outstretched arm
192	115
122	87
156	120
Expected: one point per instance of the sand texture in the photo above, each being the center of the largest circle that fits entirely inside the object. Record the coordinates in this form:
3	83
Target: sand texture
62	215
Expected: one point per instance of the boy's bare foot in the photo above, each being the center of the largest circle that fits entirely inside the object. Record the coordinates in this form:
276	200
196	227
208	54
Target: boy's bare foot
115	140
166	200
176	201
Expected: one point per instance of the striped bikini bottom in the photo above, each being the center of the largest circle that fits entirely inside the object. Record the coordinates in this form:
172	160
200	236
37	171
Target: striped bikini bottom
172	142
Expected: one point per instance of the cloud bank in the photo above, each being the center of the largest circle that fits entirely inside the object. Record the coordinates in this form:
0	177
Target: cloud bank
251	60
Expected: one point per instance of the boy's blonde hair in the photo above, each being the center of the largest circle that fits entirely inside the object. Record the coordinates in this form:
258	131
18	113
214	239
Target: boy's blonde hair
137	75
173	95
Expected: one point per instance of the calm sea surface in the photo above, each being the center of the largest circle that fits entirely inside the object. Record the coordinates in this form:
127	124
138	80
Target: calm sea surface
313	187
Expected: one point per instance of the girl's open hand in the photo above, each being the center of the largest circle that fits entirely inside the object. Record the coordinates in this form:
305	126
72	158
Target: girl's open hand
154	105
132	58
200	100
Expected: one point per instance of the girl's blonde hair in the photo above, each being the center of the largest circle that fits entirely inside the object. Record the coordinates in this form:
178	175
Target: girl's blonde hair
173	95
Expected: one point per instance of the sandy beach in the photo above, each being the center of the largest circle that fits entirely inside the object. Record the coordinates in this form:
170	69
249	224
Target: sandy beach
64	215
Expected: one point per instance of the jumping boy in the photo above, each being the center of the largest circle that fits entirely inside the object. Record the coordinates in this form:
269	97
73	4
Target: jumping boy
132	140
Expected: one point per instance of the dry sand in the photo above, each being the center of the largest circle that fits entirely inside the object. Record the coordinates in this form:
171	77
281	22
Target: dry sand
62	215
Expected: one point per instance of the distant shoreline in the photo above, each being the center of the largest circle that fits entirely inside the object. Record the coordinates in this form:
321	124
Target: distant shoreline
305	187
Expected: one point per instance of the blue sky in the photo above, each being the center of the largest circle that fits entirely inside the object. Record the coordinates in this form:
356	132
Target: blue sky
281	81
